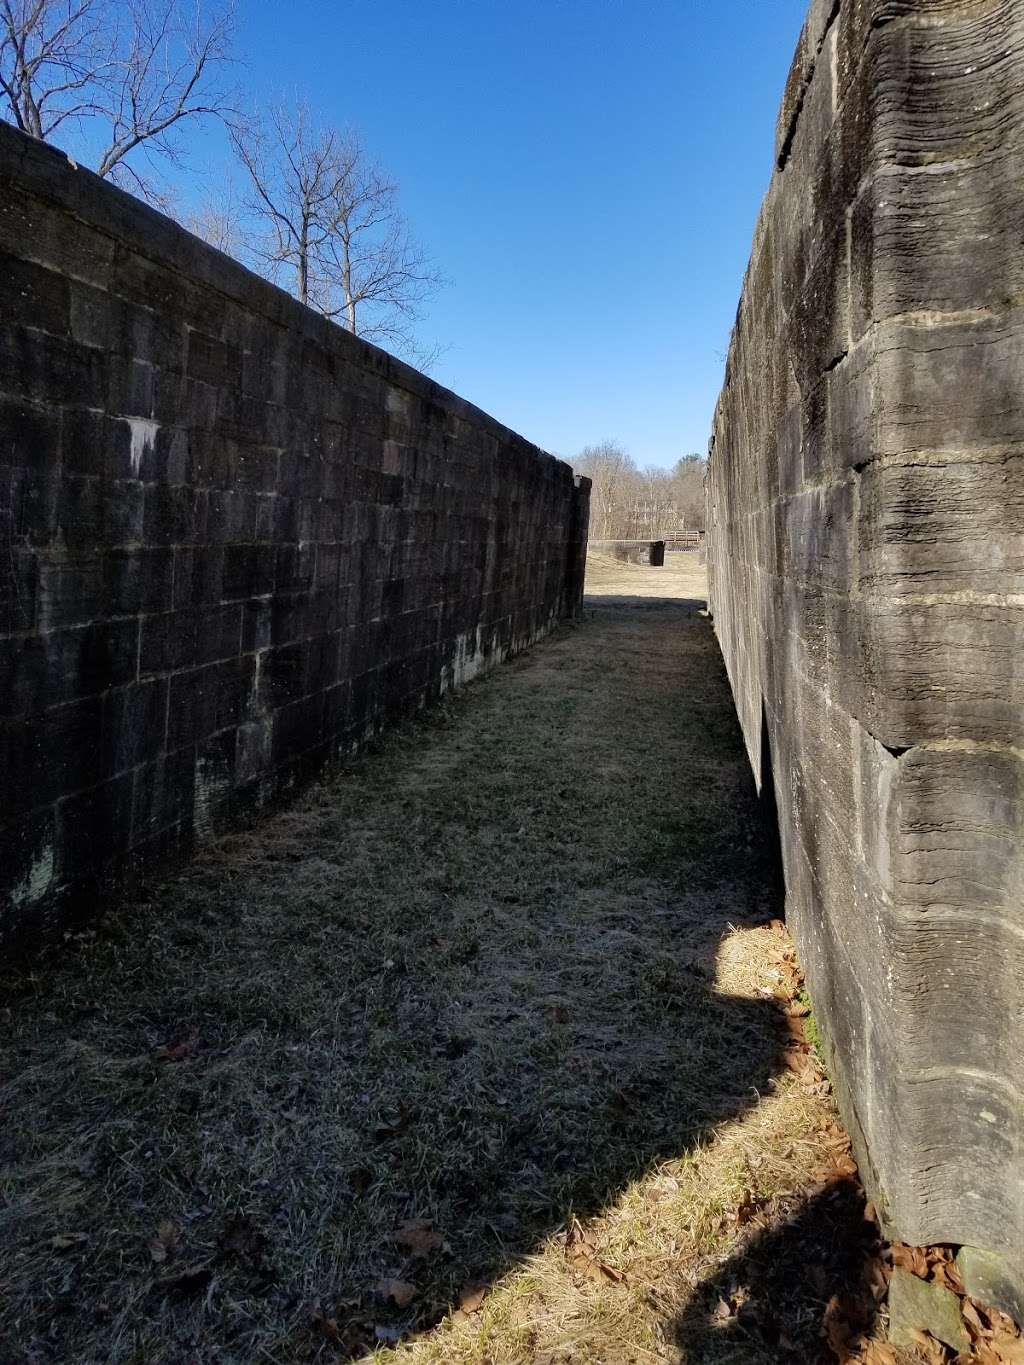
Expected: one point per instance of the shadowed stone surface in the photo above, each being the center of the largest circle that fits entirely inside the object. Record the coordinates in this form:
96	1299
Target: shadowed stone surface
866	547
234	540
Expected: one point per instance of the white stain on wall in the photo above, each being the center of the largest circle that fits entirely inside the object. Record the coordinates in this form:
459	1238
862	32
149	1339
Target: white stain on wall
36	882
143	438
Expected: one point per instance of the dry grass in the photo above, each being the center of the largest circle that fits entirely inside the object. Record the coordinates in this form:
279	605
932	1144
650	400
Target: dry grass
682	578
504	974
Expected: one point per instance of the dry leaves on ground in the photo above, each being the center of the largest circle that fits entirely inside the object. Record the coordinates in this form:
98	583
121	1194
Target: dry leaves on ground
400	1292
419	1237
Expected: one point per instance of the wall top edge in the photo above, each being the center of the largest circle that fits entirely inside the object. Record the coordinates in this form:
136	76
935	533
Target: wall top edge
46	172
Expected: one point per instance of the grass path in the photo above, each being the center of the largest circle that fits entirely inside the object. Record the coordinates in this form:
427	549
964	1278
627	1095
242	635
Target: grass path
484	1018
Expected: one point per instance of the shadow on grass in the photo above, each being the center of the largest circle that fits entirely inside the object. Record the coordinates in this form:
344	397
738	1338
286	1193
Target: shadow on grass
614	601
794	1293
461	993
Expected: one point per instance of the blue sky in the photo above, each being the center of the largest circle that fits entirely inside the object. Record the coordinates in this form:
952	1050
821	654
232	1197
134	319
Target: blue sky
587	173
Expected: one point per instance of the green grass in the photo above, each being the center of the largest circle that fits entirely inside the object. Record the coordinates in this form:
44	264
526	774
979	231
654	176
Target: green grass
812	1029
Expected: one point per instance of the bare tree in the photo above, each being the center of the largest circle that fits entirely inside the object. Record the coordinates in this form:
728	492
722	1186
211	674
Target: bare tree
128	72
331	227
612	473
687	479
293	172
629	503
218	219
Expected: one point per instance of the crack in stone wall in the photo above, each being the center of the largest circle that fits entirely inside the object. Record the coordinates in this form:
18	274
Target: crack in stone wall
866	563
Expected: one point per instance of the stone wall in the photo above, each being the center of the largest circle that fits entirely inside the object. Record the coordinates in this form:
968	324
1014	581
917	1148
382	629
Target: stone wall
866	513
234	540
650	552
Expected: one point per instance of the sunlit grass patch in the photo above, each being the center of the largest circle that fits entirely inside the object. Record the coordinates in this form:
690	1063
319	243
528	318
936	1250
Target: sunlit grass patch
650	1251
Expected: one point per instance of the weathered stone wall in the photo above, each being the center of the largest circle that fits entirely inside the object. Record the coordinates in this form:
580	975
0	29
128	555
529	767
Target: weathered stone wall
631	551
866	506
234	540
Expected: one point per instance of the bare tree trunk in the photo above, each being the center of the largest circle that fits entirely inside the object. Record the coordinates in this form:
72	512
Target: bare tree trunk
302	265
346	284
332	226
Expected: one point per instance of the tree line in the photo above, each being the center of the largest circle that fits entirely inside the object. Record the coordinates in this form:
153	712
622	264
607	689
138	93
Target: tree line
629	503
307	207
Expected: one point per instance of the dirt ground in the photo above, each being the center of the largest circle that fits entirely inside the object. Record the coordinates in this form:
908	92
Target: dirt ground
475	1054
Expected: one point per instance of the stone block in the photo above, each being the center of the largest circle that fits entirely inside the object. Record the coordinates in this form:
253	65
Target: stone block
50	369
174	514
987	1278
249	570
35	297
920	1306
133	725
208	699
138	580
198	575
185	638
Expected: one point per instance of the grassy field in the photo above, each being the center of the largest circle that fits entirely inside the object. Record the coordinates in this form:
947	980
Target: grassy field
472	1055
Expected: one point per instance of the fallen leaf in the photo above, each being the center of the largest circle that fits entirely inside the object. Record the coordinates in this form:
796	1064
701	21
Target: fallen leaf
329	1327
390	1335
984	1355
392	1127
801	1063
177	1052
946	1274
576	1240
360	1179
722	1311
745	1210
1001	1323
879	1353
914	1259
844	1324
471	1296
933	1351
1009	1347
242	1238
610	1272
191	1280
974	1323
558	1014
400	1292
420	1236
163	1241
878	1280
65	1240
